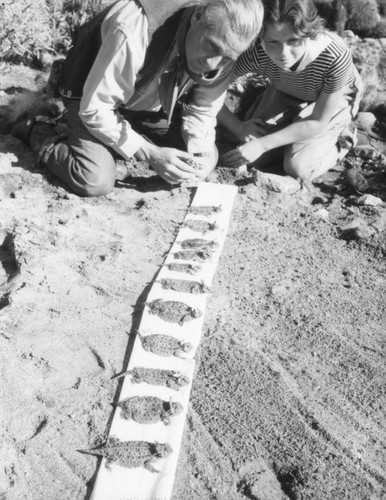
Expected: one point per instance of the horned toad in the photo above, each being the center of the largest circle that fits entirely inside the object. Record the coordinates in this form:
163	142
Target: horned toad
156	376
199	226
149	409
186	286
205	209
132	454
173	311
164	345
182	267
200	243
195	255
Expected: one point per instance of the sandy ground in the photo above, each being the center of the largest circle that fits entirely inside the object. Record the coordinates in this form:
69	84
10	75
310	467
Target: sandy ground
288	399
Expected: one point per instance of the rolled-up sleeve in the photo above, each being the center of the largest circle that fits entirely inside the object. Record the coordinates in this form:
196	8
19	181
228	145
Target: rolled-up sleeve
110	83
199	115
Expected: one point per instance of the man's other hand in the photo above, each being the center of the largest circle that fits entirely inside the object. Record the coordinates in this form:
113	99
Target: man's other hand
169	163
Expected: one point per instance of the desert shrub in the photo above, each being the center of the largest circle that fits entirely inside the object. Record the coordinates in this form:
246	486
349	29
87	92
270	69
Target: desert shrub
334	13
362	15
325	9
68	15
29	28
380	113
24	29
379	30
367	57
376	31
382	7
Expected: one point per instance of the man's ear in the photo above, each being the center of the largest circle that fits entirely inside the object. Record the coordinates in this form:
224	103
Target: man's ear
197	15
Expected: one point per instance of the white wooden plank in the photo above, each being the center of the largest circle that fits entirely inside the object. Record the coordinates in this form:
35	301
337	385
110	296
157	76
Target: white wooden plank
118	483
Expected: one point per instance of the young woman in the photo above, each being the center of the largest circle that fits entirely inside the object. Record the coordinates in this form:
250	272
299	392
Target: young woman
304	118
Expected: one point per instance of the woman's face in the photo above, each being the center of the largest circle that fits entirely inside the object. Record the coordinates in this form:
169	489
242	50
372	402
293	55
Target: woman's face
282	45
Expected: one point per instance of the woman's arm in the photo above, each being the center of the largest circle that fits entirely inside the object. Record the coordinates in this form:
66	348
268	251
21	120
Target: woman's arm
243	131
324	109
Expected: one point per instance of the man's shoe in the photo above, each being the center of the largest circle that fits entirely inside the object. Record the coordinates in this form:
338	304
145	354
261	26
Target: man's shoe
41	134
52	85
23	128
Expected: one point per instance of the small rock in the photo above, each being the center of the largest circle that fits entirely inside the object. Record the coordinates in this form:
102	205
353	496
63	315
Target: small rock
379	223
365	121
6	160
359	232
212	177
276	183
322	213
46	59
319	200
369	200
122	170
259	481
242	169
281	288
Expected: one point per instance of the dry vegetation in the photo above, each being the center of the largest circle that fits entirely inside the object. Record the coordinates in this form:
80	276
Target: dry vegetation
29	31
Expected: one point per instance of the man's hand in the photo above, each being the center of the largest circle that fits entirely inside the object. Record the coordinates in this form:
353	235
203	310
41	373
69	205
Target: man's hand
204	164
169	163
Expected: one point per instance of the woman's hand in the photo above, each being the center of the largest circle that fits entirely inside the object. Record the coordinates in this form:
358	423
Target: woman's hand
248	130
244	154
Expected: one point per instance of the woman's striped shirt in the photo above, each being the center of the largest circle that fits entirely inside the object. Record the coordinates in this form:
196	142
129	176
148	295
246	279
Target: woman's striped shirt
327	66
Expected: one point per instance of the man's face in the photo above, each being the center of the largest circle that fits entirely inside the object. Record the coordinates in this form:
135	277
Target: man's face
210	48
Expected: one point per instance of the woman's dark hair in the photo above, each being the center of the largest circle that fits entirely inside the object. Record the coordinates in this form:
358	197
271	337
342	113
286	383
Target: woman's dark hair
301	15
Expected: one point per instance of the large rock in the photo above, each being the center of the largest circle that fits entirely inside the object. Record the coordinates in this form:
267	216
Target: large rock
365	121
369	56
276	183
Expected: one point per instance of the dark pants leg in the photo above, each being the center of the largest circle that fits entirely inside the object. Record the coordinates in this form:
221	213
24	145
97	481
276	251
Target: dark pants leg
154	127
86	165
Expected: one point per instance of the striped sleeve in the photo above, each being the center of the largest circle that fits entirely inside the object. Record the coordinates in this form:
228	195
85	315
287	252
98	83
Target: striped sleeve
248	62
339	72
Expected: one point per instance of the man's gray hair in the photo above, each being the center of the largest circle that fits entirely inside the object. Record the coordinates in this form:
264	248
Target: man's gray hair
245	16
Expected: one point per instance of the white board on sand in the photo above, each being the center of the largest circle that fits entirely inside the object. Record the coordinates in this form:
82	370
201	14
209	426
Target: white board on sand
120	483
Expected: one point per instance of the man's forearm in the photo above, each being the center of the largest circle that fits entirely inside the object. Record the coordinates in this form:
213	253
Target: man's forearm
199	117
112	130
